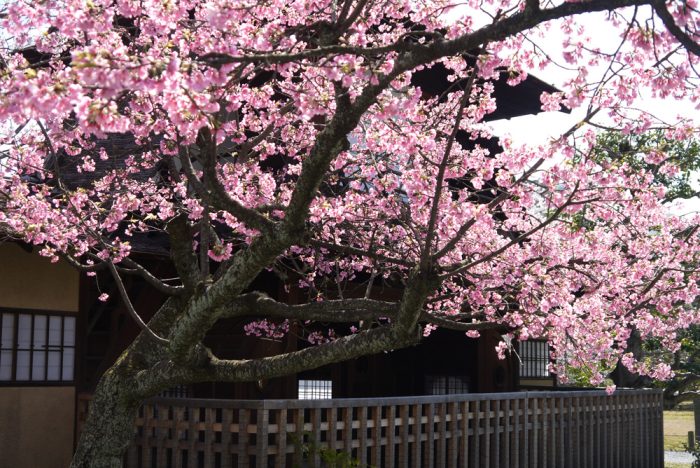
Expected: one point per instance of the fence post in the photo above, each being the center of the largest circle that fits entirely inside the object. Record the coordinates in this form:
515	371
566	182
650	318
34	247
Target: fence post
691	440
696	411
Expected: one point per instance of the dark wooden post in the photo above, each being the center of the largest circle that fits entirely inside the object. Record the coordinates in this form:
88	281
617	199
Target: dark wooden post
696	411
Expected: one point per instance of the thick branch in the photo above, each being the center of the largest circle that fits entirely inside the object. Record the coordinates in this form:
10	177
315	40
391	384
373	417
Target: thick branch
683	397
665	15
250	370
217	192
462	326
337	311
498	30
183	257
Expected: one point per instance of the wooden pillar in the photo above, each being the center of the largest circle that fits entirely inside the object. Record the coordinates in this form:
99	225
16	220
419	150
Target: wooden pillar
696	413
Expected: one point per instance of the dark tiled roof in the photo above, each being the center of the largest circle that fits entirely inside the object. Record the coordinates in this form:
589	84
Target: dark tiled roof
118	147
511	101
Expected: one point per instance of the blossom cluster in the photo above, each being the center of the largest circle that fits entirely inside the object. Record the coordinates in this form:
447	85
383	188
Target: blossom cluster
542	239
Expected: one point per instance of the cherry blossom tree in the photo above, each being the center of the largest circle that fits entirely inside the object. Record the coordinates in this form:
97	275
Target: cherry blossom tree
267	133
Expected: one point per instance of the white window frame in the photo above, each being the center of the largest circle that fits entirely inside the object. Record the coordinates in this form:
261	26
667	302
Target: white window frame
314	389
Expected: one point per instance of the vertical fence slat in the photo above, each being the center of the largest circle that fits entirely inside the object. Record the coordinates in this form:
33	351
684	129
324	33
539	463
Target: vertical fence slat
507	436
583	427
347	430
658	431
261	424
639	430
429	460
376	452
208	436
570	432
281	460
629	446
632	432
584	431
525	447
316	435
146	454
544	437
486	447
646	443
594	442
403	447
651	440
362	434
652	431
298	437
226	421
619	458
192	435
453	451
332	435
600	423
553	432
579	434
178	434
242	449
496	446
442	435
476	433
164	424
561	442
535	432
605	431
417	434
390	449
517	430
624	433
464	445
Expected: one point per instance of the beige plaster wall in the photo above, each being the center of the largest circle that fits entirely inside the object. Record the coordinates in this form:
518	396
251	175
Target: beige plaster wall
29	281
36	423
36	426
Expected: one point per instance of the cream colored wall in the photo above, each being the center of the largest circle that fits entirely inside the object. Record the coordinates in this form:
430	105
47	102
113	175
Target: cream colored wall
36	423
36	426
29	281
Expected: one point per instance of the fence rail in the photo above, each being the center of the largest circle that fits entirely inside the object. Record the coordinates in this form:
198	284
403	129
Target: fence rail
529	429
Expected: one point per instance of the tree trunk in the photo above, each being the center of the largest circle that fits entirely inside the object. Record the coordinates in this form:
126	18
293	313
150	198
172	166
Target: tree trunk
621	376
109	427
110	421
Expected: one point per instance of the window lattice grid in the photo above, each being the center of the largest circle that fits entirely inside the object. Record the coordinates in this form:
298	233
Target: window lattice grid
179	391
446	384
36	347
534	356
315	389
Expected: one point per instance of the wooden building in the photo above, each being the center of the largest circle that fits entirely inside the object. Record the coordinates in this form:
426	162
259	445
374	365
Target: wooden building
57	338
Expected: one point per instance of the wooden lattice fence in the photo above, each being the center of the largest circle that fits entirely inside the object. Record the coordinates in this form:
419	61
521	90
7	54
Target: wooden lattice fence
519	430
